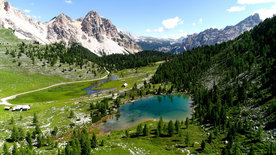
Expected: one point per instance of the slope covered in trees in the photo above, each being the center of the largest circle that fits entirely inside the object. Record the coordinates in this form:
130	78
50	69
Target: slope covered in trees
233	87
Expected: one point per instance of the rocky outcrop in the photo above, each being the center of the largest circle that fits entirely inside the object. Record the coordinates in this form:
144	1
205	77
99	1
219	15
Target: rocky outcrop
93	32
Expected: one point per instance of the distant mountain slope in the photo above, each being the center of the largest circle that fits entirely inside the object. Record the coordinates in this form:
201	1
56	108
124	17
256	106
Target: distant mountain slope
97	34
213	36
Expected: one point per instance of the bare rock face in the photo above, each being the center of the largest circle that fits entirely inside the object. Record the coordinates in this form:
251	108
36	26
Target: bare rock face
61	28
97	34
95	26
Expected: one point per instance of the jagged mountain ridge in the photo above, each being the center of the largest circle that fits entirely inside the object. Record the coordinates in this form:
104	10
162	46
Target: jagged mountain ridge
97	34
213	36
208	37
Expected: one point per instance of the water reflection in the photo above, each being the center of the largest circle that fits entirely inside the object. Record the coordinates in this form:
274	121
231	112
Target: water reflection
171	107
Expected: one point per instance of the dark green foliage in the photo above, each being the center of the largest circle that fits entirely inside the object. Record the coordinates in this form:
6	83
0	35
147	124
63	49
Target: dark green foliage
177	126
35	119
127	133
94	142
55	131
203	145
146	130
37	129
210	138
171	128
15	149
187	122
15	134
187	139
139	130
29	140
72	114
141	59
6	149
160	127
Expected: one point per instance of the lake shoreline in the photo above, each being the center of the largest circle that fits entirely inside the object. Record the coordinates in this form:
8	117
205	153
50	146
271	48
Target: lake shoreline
103	120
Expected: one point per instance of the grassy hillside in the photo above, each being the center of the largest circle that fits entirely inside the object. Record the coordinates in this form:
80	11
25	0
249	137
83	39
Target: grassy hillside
24	66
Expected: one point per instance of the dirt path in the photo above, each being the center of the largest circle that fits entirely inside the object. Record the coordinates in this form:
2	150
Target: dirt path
4	101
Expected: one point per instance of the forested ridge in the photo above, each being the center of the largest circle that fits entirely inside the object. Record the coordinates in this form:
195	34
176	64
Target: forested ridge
233	88
79	56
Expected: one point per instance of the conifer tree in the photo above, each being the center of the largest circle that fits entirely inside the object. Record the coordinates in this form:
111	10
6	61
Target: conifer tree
146	131
94	142
171	128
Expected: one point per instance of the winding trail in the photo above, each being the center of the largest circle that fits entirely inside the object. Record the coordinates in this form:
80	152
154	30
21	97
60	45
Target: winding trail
4	101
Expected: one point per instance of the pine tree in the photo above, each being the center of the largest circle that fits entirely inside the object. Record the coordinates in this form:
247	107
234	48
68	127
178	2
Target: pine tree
6	149
37	129
15	134
187	139
177	126
203	145
139	130
94	141
35	119
146	131
187	122
29	140
160	127
210	138
102	143
171	128
127	134
72	114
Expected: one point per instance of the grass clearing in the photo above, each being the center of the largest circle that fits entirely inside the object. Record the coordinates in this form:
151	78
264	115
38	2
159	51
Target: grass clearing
62	92
14	82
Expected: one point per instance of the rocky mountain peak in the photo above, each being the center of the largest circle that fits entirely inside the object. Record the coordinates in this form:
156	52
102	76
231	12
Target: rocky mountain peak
62	18
97	34
7	6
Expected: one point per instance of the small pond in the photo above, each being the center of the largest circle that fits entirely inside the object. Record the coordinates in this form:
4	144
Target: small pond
90	90
170	107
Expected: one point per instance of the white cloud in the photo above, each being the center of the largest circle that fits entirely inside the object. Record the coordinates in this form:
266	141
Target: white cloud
236	9
160	29
27	11
68	1
200	20
266	13
172	22
194	24
255	1
148	30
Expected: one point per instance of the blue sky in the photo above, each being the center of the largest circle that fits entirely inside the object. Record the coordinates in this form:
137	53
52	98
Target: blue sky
157	18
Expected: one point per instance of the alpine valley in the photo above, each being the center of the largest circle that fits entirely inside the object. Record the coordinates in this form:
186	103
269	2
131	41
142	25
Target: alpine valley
82	86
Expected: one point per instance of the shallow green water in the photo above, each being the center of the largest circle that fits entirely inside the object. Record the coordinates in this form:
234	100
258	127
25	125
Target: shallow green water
170	107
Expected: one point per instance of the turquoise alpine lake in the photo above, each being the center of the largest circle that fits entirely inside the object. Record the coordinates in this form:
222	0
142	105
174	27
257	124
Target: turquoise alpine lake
170	107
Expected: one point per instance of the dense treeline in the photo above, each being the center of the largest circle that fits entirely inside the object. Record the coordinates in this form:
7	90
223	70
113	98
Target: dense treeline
141	59
79	56
224	79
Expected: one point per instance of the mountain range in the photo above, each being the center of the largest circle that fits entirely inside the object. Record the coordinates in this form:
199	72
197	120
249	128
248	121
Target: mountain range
210	36
97	34
101	37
